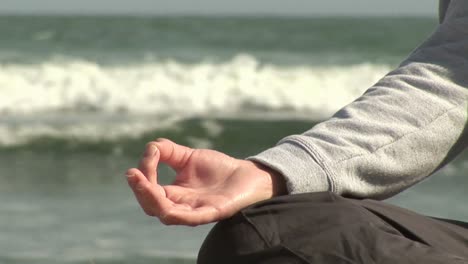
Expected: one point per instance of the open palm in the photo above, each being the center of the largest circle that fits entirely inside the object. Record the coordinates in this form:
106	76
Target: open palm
209	185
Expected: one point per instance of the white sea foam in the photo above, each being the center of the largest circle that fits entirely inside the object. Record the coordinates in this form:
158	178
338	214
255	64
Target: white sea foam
41	99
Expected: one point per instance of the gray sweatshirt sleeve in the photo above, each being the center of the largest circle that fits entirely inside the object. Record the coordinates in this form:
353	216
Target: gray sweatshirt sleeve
406	126
443	6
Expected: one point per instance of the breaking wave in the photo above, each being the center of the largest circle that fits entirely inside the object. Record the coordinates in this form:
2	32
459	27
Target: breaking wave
72	97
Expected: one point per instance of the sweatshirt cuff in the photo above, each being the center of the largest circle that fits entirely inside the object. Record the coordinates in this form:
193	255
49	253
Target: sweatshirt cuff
299	168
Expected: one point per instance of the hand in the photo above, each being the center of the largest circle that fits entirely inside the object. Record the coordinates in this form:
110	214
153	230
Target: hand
209	185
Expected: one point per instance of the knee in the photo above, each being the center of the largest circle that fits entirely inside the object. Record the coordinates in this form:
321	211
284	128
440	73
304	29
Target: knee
229	240
293	220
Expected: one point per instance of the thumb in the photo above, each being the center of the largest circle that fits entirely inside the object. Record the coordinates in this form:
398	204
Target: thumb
174	155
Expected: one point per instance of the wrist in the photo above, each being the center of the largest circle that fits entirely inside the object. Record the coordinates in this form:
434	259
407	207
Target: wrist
275	183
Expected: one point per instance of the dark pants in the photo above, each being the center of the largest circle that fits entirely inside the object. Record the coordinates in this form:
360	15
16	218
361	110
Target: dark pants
327	228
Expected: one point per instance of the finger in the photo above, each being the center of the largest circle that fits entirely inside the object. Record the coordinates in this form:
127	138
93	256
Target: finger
152	198
173	154
149	162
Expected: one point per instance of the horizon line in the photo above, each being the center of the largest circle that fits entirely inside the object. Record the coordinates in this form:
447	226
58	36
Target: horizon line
221	14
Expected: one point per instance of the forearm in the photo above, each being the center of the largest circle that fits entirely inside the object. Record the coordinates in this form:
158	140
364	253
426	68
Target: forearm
400	131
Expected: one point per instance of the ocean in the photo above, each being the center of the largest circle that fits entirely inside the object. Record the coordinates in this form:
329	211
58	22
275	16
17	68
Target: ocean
80	97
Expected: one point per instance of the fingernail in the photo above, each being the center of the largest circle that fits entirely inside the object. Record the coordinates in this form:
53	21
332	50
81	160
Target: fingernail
151	151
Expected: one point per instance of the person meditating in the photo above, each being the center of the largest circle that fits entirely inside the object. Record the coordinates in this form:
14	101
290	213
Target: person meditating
315	197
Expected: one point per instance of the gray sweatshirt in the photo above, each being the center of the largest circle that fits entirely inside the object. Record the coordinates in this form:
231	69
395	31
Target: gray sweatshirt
401	130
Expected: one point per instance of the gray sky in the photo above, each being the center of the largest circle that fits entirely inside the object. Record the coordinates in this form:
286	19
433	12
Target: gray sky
220	7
